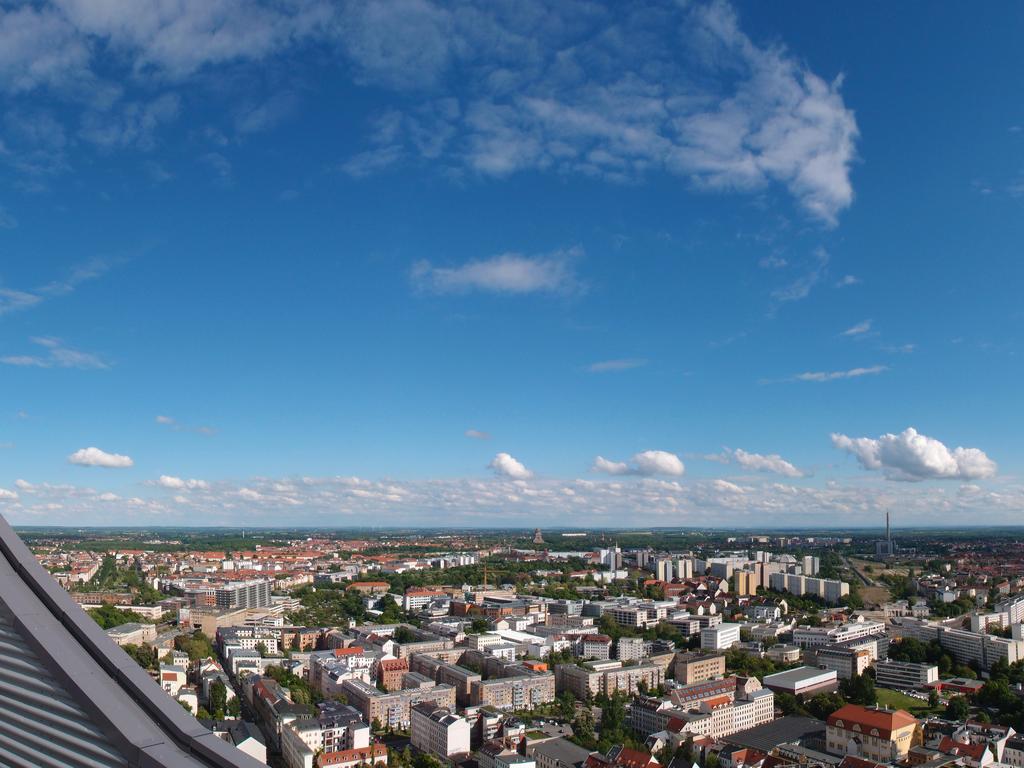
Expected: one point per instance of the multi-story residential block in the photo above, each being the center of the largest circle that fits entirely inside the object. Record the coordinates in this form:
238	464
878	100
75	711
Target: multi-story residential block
720	637
694	667
439	731
847	662
607	677
721	716
450	674
596	647
254	593
904	674
390	672
1013	608
882	735
367	757
132	633
630	648
981	649
812	637
394	709
830	590
514	693
339	727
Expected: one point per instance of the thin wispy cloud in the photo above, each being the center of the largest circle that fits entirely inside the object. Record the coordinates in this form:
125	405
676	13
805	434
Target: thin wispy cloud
859	329
757	462
14	300
476	434
507	273
621	364
177	426
847	280
56	354
801	287
852	373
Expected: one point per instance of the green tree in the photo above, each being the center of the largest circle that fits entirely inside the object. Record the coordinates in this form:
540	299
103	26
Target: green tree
218	699
235	708
958	709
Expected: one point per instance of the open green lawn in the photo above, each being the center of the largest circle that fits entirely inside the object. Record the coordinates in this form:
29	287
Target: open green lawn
896	700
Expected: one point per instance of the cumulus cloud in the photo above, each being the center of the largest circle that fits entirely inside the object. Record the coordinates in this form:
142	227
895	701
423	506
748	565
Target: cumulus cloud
911	456
622	364
178	483
645	463
771	462
94	457
510	273
504	465
7	495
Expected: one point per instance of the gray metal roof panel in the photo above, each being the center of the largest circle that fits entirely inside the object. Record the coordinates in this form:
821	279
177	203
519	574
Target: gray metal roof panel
90	672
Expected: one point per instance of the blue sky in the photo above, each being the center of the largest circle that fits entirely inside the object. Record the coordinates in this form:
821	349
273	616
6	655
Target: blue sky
520	263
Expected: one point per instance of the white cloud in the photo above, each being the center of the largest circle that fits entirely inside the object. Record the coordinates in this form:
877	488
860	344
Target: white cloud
488	88
94	457
622	364
6	495
476	434
570	90
608	467
58	355
801	287
167	420
178	483
511	273
726	486
846	280
476	502
852	373
504	465
858	330
645	463
771	462
912	456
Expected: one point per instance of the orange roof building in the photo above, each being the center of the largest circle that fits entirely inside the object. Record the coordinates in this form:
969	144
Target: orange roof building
873	733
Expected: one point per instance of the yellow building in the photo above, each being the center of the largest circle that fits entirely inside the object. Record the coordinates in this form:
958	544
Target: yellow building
882	735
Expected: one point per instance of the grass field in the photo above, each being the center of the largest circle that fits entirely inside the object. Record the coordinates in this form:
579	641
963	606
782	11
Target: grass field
896	700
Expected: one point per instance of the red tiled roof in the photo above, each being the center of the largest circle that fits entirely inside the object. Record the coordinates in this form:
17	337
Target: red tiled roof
868	719
354	650
394	665
950	747
371	753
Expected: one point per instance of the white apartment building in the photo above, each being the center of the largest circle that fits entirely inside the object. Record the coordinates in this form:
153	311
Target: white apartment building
964	646
812	637
720	637
631	648
438	731
719	717
904	674
830	590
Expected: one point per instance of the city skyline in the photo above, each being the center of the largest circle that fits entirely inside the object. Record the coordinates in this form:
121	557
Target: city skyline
510	265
